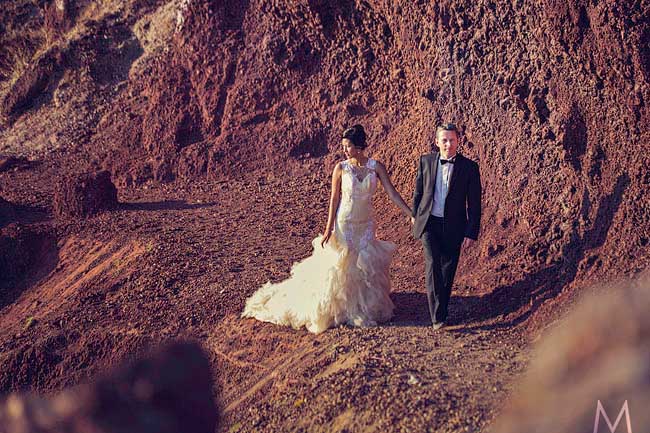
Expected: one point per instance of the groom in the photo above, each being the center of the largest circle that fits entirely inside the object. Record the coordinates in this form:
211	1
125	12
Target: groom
446	209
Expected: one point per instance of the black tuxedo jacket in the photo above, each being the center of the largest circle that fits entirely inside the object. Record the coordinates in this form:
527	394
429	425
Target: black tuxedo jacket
463	204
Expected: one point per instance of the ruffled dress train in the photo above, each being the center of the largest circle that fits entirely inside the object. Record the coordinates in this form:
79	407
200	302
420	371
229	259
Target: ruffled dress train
348	281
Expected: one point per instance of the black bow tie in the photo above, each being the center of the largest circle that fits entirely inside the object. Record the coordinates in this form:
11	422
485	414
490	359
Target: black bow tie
445	161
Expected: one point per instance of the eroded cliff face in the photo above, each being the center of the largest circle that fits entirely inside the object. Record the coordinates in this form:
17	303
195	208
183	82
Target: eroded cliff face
552	98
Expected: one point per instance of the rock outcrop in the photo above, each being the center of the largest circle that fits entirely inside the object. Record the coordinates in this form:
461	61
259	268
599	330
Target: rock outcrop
84	195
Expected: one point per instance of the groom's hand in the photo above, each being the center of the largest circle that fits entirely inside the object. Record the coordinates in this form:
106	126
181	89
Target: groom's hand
412	220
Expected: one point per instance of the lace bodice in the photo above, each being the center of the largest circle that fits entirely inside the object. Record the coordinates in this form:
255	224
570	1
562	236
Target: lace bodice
355	223
359	181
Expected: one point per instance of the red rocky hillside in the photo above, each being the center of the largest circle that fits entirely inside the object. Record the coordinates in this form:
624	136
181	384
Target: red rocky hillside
219	123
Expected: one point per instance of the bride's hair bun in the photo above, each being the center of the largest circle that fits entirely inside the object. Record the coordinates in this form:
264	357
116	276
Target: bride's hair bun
356	135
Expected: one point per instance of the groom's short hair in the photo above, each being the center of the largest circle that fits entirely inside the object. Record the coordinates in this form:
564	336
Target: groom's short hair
448	127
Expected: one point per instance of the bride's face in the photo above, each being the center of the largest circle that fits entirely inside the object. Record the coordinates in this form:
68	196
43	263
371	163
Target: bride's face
349	149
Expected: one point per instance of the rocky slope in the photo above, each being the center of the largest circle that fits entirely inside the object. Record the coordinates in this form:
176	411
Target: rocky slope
220	124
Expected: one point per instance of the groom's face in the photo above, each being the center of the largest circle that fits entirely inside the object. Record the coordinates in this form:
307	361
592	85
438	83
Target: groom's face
447	142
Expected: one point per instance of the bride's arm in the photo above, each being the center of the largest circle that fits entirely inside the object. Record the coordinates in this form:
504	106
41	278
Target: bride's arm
390	189
334	203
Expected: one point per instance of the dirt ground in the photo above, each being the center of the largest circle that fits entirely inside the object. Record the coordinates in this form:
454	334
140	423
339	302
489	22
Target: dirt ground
178	262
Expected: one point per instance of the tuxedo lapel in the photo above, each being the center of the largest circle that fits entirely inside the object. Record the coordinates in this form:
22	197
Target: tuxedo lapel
434	171
458	168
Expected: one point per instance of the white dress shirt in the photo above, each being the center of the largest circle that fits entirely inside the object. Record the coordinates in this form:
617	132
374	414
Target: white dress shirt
443	178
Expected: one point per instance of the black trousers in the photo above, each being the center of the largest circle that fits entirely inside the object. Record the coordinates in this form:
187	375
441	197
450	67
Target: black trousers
441	253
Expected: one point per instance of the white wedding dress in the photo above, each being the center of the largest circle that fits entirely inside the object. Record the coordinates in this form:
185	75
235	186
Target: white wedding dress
345	282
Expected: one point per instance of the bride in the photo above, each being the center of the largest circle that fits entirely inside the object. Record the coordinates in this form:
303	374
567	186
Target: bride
346	279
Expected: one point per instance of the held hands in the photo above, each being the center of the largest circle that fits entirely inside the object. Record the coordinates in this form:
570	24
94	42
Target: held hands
412	220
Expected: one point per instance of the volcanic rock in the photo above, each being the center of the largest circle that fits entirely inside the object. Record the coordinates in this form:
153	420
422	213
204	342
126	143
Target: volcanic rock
30	85
169	391
84	195
59	16
596	364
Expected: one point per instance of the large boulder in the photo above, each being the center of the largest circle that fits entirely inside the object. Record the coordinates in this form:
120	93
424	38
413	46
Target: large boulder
84	195
593	369
167	392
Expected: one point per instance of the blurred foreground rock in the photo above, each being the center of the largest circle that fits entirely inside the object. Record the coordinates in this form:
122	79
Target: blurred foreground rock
84	195
600	353
168	392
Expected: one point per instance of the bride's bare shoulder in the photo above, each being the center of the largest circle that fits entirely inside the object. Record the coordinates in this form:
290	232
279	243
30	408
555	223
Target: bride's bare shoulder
338	167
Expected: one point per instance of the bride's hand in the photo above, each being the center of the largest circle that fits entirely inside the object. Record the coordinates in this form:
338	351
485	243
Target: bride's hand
326	238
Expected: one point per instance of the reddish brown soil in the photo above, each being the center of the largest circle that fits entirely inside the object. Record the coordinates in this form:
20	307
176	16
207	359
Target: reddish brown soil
221	143
180	264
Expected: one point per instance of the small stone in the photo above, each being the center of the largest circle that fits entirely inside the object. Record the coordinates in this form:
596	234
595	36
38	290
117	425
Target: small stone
413	380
